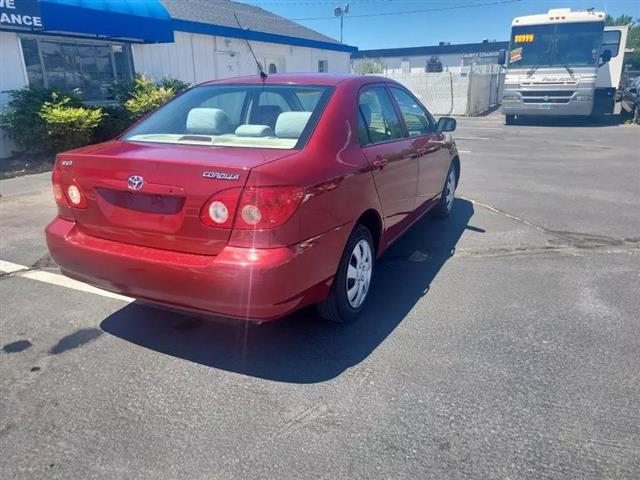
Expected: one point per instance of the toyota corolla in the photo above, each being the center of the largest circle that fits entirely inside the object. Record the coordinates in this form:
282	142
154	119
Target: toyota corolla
254	197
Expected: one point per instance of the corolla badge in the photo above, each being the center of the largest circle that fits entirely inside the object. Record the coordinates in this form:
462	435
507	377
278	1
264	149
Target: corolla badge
221	175
135	182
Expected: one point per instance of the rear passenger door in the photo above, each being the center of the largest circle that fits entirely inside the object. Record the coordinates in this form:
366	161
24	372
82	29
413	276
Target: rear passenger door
384	145
428	145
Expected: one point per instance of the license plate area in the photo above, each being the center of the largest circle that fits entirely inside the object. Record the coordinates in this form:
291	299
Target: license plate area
142	202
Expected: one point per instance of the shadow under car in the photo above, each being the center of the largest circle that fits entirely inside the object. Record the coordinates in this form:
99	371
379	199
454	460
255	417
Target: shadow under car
300	348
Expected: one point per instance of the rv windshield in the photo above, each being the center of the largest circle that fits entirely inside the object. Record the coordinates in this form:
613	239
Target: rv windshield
563	44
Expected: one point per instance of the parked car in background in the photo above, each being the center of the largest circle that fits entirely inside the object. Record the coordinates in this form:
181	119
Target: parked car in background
252	198
631	97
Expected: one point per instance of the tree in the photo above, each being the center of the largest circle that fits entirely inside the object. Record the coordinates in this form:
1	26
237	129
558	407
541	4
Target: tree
369	65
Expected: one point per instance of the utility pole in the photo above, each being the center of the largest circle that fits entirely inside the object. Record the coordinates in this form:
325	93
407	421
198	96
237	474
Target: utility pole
341	12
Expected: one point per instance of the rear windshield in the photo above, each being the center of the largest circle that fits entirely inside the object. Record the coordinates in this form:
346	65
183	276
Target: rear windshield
258	116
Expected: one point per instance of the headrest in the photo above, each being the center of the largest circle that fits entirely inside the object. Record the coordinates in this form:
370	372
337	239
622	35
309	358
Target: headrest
254	131
291	124
212	121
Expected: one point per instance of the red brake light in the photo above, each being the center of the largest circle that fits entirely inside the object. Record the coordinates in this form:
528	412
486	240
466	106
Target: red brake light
262	208
220	210
58	188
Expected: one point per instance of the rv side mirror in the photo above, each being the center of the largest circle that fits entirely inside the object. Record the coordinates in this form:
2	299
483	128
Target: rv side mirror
502	56
606	56
446	124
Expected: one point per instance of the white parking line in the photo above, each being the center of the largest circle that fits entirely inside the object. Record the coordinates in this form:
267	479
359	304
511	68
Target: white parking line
471	138
8	267
59	280
464	151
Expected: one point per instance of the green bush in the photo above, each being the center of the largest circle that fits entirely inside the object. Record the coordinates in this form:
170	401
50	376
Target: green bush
178	86
146	95
22	121
69	126
116	120
44	121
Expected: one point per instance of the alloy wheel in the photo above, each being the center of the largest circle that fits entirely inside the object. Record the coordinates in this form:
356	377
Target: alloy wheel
359	273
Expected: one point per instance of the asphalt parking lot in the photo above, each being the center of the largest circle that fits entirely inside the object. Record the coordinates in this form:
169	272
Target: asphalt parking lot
501	343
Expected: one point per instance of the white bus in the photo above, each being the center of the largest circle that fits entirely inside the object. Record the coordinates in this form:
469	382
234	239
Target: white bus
562	62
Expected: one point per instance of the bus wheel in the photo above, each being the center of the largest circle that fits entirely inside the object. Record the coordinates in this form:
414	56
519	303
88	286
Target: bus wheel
509	119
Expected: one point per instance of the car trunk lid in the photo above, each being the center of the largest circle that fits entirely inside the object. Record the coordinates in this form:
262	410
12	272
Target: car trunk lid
151	194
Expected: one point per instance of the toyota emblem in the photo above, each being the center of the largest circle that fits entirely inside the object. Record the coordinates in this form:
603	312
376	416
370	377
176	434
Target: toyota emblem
135	182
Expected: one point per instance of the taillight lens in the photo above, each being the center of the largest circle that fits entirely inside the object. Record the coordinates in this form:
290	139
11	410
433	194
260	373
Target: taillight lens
67	195
259	208
220	209
262	208
58	188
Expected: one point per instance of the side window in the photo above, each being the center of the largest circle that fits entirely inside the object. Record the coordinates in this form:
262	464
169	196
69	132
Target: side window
611	41
417	120
377	119
230	102
273	99
270	105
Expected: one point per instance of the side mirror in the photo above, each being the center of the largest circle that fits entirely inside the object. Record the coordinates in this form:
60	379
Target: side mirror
447	124
502	56
605	56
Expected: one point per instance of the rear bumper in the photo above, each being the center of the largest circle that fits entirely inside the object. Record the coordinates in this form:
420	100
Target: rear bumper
256	284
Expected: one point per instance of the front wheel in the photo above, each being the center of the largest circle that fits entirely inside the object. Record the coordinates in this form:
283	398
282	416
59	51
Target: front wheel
350	288
445	204
509	119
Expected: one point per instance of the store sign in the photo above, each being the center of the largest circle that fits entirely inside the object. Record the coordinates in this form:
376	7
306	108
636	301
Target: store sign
20	14
480	54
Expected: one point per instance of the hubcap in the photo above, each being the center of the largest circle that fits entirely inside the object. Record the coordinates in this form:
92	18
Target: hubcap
450	189
359	273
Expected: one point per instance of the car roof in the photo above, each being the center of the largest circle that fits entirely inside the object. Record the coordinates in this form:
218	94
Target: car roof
328	79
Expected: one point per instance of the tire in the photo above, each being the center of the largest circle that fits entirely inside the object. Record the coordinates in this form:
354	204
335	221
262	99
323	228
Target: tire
447	197
509	119
340	306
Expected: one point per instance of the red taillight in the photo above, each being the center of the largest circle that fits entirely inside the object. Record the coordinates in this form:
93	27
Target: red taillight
219	211
66	194
262	208
58	188
259	208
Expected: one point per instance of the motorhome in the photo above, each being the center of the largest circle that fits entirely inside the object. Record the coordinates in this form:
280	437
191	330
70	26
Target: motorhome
561	63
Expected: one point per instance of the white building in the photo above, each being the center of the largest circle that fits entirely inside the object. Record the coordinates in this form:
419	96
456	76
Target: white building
447	56
77	44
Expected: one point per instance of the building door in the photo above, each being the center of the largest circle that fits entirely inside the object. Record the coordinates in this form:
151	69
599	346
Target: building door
227	64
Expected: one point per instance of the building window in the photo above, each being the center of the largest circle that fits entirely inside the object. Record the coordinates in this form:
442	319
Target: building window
273	68
67	65
323	66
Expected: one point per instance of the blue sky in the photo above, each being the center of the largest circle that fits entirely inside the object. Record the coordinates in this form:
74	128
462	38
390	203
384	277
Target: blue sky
462	25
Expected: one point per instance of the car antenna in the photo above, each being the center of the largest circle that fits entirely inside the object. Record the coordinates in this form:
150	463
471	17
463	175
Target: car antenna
263	75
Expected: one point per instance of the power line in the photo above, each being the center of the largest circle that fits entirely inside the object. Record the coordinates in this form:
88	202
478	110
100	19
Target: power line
411	12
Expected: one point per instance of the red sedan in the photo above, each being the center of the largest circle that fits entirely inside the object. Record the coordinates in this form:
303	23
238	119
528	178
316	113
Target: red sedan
252	198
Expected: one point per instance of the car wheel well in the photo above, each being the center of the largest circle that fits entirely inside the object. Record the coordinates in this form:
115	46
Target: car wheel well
372	222
456	163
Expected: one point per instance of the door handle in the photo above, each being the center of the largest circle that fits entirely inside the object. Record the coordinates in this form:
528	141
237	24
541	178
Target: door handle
380	162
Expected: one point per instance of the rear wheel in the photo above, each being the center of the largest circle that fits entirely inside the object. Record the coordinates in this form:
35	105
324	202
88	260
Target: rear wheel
350	288
445	204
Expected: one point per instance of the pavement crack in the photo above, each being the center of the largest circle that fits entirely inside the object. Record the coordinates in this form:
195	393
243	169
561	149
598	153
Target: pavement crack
578	240
43	263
